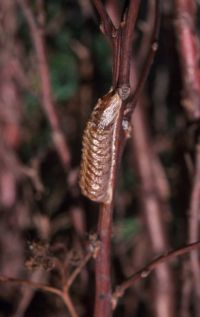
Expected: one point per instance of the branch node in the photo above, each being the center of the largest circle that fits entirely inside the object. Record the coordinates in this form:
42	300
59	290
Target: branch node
145	273
124	91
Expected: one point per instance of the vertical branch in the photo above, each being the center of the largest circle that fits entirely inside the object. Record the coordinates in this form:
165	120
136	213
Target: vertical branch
188	49
114	35
194	227
152	206
107	25
127	42
102	264
150	55
114	14
10	139
151	195
36	31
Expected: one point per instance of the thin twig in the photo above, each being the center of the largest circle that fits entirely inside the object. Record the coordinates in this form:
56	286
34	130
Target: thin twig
108	27
114	35
77	271
149	60
150	197
127	42
68	302
47	96
45	288
186	290
102	262
145	271
116	46
28	294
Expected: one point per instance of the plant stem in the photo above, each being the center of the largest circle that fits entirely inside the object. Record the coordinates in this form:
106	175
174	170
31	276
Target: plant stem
102	264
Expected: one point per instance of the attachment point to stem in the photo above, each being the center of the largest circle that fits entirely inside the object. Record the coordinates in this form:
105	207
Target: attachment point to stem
124	91
114	33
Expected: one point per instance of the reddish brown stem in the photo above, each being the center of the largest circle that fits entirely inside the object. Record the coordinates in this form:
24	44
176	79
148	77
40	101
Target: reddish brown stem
47	96
148	61
116	43
194	227
127	42
152	209
27	294
188	49
150	56
150	195
102	264
114	35
108	27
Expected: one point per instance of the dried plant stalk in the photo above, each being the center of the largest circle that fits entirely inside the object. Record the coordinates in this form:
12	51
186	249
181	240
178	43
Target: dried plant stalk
99	149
